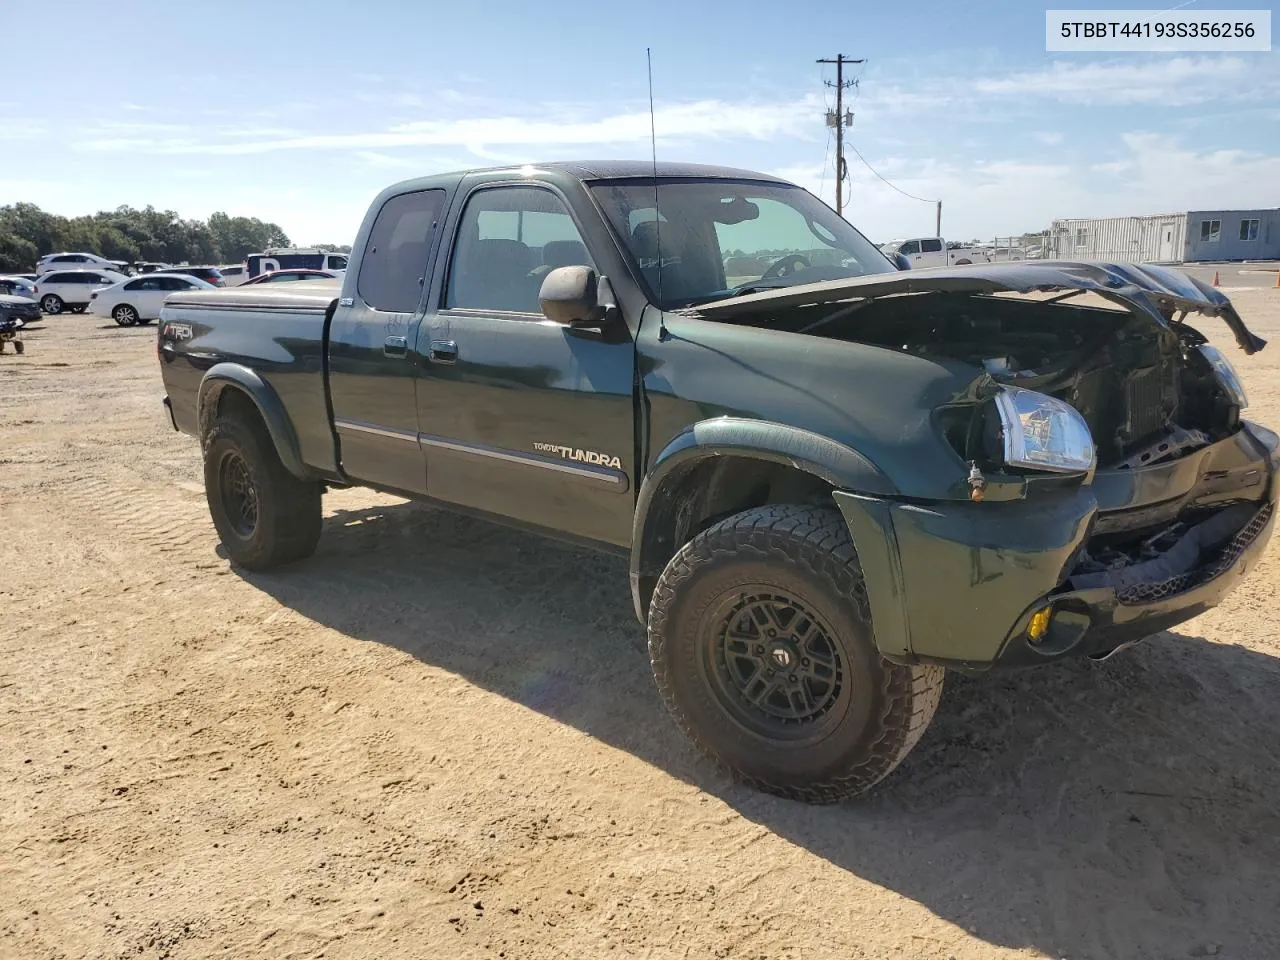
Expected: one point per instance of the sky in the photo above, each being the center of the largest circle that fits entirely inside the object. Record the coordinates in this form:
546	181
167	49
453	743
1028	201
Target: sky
301	113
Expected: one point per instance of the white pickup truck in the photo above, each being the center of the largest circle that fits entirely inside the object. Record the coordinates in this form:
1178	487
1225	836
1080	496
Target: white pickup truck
934	252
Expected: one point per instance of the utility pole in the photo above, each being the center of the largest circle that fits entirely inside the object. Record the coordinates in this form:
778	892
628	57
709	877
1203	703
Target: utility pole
840	118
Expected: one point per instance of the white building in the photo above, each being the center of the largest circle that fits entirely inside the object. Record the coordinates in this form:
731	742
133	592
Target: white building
1196	235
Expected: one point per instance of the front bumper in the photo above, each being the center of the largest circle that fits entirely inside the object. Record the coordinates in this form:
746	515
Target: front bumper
957	583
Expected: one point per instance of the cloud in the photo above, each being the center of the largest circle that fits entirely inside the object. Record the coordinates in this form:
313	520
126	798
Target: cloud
702	119
1176	81
1050	138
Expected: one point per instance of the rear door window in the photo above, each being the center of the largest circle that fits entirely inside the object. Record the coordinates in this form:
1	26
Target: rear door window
394	265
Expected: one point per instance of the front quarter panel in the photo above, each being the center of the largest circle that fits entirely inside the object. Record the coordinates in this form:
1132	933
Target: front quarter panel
874	403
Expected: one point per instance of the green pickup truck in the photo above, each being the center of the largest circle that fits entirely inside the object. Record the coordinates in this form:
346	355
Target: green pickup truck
835	479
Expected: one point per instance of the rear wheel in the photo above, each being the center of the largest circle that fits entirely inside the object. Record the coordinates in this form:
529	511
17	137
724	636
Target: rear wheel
761	644
79	308
51	303
124	315
265	516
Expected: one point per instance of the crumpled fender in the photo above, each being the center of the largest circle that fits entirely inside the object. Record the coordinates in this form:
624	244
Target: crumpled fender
836	463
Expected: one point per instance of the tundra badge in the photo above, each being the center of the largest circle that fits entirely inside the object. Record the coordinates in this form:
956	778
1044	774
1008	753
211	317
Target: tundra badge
582	456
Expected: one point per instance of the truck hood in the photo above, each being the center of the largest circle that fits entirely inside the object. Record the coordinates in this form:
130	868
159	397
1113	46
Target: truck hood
1156	291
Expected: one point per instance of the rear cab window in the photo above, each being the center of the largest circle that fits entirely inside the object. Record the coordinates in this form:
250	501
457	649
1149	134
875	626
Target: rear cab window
394	264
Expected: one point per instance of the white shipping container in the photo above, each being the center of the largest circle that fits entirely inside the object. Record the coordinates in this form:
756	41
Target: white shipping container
1156	239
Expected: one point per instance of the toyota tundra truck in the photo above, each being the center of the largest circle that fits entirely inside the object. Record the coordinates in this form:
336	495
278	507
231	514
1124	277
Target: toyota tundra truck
835	480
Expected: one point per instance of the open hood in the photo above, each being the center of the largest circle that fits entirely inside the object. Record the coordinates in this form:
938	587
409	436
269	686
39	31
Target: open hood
1158	291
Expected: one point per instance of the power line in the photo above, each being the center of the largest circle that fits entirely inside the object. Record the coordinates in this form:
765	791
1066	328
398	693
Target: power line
893	185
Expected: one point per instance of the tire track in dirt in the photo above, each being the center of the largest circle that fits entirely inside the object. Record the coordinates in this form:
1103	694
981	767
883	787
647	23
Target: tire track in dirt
170	522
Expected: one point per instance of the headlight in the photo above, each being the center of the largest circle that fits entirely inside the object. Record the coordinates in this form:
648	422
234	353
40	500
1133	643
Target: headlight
1225	374
1041	433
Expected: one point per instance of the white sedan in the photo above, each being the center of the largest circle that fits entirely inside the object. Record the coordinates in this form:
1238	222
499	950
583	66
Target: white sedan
139	299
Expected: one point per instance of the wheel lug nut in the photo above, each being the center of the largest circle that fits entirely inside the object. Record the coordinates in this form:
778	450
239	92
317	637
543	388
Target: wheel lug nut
804	662
792	678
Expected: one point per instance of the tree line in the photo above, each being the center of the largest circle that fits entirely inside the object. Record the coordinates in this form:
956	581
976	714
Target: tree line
126	233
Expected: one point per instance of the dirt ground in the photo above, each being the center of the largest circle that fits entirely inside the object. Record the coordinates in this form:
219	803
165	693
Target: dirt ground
439	738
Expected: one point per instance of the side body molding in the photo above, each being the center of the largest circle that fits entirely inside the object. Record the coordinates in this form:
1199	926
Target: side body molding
237	376
841	466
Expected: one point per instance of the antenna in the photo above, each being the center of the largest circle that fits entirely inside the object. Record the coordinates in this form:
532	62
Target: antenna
653	142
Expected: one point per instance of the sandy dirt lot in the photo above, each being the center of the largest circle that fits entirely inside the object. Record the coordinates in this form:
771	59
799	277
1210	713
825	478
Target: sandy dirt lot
439	738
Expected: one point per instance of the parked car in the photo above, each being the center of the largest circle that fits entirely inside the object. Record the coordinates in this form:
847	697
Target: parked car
234	274
23	308
139	299
286	276
75	261
72	289
151	266
18	287
934	252
210	275
833	480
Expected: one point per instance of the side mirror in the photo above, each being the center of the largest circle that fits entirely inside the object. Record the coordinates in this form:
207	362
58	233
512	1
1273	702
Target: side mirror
570	296
902	261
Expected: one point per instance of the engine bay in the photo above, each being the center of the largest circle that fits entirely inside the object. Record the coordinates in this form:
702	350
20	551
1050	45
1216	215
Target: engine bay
1145	392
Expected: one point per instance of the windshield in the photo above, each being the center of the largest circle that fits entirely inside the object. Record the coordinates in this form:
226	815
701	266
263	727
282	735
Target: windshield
719	238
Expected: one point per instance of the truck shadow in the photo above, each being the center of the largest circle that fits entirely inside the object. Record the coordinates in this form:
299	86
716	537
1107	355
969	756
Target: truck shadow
1089	810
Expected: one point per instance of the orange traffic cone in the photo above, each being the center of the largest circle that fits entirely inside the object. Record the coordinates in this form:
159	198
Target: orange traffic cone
1215	279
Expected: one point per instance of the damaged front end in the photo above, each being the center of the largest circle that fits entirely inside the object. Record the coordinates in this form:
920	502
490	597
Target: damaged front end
1113	488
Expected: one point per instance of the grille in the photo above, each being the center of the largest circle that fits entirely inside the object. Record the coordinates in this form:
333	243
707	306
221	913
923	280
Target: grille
1145	403
1150	592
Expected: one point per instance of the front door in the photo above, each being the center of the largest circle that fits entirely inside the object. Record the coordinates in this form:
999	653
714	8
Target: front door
371	365
519	416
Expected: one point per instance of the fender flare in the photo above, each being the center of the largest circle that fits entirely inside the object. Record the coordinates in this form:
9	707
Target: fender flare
836	463
223	375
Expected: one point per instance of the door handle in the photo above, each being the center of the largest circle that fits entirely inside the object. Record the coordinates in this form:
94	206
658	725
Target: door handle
395	347
443	351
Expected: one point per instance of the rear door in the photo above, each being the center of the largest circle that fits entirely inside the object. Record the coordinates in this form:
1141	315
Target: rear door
931	253
143	295
372	366
519	416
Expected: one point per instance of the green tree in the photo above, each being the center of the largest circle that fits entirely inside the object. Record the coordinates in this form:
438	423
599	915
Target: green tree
127	233
16	254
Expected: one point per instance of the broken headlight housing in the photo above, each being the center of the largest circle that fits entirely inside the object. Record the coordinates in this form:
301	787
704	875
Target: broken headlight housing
1042	433
1225	374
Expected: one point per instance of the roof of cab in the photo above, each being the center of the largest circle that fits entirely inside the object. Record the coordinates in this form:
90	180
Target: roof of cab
592	170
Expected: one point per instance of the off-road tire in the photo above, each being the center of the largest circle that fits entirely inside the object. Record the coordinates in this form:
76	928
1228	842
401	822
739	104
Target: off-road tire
802	552
52	304
287	510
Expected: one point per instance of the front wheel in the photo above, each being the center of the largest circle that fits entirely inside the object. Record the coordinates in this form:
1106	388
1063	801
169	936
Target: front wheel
761	644
51	303
265	516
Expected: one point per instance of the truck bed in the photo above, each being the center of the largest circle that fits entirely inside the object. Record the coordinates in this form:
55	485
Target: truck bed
300	295
269	332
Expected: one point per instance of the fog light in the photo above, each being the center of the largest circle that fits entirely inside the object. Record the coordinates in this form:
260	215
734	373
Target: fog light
1039	624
